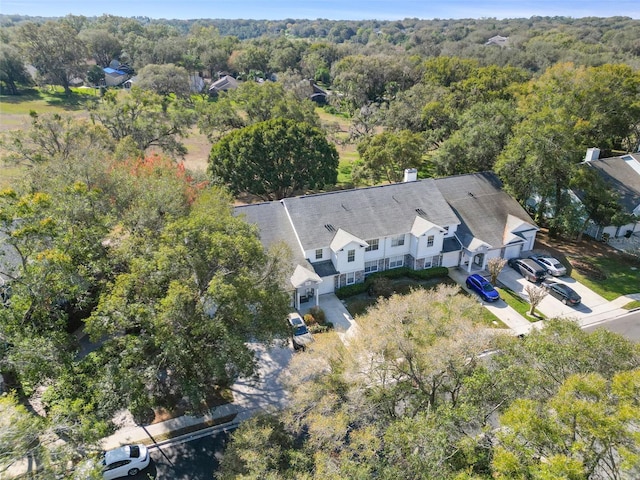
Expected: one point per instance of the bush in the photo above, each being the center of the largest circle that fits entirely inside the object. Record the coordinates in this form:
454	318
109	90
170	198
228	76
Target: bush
321	328
318	315
309	319
435	272
351	290
380	287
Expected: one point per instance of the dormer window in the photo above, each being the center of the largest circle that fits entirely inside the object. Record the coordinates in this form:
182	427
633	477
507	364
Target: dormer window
319	254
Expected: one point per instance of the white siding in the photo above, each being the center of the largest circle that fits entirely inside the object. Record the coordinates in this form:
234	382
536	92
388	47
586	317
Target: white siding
450	259
326	286
512	251
341	258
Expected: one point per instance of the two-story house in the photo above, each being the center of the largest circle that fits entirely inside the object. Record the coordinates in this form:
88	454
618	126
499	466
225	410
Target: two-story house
338	238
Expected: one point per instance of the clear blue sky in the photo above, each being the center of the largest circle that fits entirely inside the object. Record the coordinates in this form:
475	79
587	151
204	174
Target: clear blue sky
331	9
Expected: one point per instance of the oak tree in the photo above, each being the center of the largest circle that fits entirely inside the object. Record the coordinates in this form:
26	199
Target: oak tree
274	159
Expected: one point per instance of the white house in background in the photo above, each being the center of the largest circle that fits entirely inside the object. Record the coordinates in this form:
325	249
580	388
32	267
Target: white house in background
338	238
623	175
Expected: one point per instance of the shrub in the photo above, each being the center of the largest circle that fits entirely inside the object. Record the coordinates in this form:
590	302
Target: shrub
309	319
351	290
320	328
318	315
380	287
435	272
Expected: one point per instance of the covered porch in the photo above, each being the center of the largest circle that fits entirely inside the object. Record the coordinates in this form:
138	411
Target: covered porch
306	287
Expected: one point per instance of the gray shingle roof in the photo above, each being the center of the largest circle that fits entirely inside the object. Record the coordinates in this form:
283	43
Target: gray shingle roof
274	226
624	179
367	213
484	208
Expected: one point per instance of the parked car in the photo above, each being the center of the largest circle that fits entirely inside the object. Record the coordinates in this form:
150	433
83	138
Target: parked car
528	268
553	266
300	335
126	460
482	287
562	292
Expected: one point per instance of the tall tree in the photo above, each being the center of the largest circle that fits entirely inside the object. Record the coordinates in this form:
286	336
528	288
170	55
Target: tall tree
145	118
55	50
587	430
251	103
102	45
12	69
54	137
600	202
165	80
190	306
386	155
274	159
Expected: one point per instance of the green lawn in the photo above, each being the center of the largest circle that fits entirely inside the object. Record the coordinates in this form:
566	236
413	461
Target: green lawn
632	305
359	304
620	275
518	303
45	101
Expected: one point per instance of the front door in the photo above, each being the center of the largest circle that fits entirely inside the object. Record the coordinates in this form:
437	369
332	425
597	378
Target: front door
478	260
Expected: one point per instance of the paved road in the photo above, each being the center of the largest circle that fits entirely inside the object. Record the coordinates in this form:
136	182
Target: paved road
193	460
627	325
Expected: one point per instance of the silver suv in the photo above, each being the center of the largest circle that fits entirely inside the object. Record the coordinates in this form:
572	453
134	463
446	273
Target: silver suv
528	268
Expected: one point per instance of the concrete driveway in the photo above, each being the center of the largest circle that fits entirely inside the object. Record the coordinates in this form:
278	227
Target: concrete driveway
335	312
551	307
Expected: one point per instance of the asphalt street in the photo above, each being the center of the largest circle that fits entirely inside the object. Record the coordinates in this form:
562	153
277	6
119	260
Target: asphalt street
195	459
627	326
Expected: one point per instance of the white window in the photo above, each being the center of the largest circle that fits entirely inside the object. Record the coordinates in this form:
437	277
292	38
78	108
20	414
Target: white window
351	278
351	255
373	245
432	261
318	254
395	262
370	267
430	241
397	241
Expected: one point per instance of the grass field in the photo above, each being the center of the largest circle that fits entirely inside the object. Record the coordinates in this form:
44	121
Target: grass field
620	277
15	115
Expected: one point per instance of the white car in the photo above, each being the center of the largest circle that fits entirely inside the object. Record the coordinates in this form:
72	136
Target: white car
126	460
300	334
552	265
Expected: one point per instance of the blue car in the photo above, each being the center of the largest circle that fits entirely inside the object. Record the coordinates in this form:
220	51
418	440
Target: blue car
482	287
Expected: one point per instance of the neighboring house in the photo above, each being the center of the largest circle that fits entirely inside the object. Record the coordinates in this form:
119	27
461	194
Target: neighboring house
338	238
130	82
498	40
113	77
319	96
223	84
623	175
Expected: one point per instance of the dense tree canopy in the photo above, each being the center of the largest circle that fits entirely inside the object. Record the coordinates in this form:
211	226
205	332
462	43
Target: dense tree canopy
274	159
424	392
164	80
55	50
144	118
